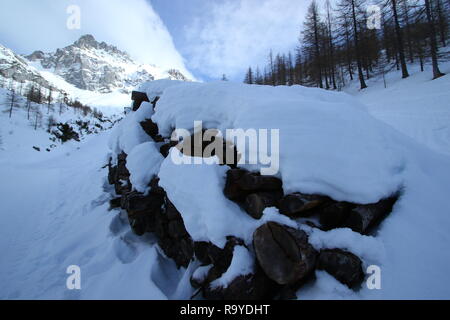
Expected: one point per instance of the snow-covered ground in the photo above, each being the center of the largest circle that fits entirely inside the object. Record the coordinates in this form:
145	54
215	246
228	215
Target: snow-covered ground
55	214
54	206
417	106
27	129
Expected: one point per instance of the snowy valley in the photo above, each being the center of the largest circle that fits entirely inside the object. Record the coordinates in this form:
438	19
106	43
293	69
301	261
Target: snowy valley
369	145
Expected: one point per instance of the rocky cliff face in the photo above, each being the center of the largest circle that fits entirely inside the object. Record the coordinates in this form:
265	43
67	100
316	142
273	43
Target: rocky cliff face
96	66
13	66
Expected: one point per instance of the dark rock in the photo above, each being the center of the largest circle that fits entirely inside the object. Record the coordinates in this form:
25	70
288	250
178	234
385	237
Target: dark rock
289	291
301	205
253	182
170	230
176	229
122	157
283	253
168	246
201	252
231	156
155	188
255	203
221	258
115	203
37	149
152	130
165	148
171	211
232	189
138	98
154	102
248	287
136	203
181	251
343	265
186	252
199	282
112	173
161	225
334	215
143	211
122	175
122	187
364	217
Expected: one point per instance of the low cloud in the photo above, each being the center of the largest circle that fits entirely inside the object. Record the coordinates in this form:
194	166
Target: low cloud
237	33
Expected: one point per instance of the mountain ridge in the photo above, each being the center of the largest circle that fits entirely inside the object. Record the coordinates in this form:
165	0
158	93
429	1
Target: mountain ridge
97	66
86	69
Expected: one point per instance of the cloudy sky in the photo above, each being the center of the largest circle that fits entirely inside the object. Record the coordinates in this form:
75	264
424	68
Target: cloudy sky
206	37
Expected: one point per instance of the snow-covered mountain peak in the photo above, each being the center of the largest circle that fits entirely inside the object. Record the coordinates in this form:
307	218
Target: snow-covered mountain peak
97	66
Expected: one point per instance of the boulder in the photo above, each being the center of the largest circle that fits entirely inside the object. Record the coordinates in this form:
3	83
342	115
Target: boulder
138	98
115	203
121	176
122	187
364	217
221	258
301	205
232	189
172	212
136	203
334	215
344	266
185	252
176	229
255	203
142	210
283	253
152	130
253	182
248	287
112	172
155	188
201	252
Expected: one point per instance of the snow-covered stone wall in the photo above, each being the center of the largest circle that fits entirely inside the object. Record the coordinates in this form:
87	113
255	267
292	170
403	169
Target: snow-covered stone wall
254	236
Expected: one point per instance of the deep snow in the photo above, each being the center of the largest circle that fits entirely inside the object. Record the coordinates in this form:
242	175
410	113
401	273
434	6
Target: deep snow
65	218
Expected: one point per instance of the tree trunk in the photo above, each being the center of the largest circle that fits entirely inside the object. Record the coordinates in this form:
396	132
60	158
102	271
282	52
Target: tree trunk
398	33
433	46
408	31
357	49
316	40
442	26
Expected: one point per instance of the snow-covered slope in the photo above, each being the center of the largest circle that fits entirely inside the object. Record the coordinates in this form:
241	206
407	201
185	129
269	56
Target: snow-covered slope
417	106
35	127
329	144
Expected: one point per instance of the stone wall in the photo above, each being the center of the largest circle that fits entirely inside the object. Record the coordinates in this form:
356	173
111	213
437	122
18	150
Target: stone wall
284	258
